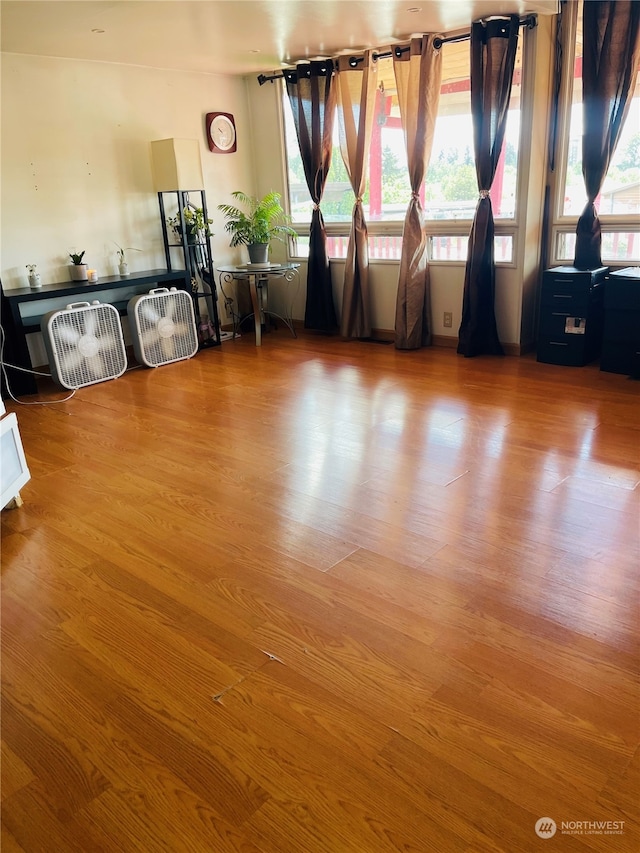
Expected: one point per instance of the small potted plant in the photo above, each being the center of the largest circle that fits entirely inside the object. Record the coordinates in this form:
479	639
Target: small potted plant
123	266
34	277
77	270
262	221
197	227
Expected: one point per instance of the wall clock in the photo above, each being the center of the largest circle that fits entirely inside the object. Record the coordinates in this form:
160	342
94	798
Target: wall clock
221	133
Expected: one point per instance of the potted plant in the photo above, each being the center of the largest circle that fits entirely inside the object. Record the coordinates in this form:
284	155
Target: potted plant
123	266
77	270
34	277
195	223
262	221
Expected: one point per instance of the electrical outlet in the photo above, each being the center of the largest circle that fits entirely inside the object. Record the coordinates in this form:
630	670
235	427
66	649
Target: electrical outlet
447	320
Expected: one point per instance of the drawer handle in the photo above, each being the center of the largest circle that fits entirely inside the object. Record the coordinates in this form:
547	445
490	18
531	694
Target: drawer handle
558	344
562	296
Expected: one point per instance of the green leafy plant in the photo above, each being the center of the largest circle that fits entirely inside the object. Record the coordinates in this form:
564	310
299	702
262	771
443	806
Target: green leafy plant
194	221
262	221
76	257
122	257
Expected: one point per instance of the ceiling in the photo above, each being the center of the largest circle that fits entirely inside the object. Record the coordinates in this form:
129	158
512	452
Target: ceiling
231	36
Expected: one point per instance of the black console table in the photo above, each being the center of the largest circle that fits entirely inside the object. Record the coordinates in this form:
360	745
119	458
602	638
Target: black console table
23	308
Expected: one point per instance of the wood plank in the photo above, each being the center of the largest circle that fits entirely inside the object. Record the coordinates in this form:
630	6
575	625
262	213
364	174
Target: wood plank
496	817
69	778
37	822
15	773
8	843
324	596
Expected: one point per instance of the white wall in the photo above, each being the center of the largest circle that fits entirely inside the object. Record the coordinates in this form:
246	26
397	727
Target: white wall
75	163
75	160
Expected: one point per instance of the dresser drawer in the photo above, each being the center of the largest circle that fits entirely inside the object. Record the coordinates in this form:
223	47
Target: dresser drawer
621	357
622	293
564	339
570	339
565	289
576	302
622	326
573	353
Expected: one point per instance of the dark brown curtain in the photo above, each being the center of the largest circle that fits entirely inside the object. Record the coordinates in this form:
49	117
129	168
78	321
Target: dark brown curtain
558	65
356	91
313	101
493	55
418	75
610	56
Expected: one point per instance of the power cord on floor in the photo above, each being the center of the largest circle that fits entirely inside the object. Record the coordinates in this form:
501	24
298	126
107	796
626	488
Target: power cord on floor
3	367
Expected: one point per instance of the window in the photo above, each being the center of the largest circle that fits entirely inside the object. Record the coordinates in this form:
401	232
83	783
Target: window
451	188
618	247
386	247
620	192
618	203
450	247
449	193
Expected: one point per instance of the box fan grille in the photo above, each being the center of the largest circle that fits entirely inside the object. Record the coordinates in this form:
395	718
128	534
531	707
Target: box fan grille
84	344
163	326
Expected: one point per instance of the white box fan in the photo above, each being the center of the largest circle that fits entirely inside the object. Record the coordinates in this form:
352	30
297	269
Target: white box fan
84	344
163	326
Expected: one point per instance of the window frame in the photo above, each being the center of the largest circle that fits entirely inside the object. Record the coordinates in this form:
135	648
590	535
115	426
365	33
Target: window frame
562	224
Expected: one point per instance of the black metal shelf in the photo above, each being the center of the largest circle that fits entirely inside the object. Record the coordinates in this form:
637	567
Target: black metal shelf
196	256
189	245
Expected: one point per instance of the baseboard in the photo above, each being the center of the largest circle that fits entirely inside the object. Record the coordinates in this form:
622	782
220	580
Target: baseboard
512	349
444	341
389	336
383	335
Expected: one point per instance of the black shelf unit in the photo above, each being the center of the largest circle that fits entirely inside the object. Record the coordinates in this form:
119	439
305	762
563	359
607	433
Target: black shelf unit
196	257
621	338
571	315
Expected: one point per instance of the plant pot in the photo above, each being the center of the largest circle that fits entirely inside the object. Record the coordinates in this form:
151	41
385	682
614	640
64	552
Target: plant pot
123	269
78	272
258	253
34	281
192	236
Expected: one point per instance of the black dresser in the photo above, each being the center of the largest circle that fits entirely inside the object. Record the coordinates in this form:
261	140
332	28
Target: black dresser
571	315
621	335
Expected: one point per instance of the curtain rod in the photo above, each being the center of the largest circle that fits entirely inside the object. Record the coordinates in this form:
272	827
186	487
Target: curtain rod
529	21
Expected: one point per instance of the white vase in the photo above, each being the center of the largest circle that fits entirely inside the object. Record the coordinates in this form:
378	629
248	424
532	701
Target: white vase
34	281
123	269
78	272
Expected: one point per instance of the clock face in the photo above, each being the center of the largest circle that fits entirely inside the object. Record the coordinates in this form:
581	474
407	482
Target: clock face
221	133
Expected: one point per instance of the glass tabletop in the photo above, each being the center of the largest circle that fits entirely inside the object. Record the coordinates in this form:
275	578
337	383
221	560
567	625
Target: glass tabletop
253	269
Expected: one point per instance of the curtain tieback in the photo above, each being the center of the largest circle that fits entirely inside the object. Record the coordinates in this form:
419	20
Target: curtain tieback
316	206
484	193
415	196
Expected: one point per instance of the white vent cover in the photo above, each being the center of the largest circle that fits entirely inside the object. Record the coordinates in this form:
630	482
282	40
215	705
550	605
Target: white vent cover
163	326
84	344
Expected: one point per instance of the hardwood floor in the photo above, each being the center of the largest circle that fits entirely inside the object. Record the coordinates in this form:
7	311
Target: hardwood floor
325	597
